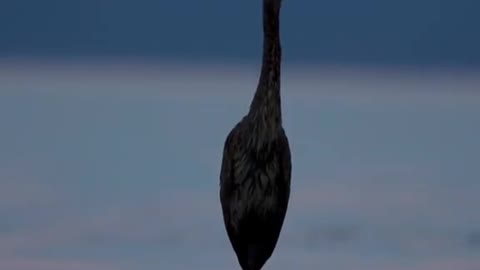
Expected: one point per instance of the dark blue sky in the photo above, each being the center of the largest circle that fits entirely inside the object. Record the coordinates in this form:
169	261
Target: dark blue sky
382	32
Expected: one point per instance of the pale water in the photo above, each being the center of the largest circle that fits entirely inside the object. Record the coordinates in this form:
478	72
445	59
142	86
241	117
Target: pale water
116	167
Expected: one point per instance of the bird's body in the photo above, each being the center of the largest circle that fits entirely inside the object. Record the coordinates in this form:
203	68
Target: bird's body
256	166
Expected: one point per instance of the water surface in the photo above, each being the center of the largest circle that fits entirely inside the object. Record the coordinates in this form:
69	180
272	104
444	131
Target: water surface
116	167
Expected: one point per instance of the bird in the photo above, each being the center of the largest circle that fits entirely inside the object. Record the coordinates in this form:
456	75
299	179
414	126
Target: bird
256	166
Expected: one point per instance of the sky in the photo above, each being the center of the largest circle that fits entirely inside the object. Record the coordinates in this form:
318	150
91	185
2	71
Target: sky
428	33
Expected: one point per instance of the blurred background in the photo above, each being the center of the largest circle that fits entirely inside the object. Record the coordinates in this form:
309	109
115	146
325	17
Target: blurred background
113	116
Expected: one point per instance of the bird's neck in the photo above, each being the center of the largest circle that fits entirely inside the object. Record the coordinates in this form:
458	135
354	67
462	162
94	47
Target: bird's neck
266	104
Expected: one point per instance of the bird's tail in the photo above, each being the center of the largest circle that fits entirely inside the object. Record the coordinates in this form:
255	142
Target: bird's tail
255	258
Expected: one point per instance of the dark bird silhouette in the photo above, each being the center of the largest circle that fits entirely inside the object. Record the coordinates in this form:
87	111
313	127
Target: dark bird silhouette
256	166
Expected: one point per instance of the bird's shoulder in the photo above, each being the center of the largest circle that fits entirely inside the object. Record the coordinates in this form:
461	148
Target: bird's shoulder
238	141
237	149
233	140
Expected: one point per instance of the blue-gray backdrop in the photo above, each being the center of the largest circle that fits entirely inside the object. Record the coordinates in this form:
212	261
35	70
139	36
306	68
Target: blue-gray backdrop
371	32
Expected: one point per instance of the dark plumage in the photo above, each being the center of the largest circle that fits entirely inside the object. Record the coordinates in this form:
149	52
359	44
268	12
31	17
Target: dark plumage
256	165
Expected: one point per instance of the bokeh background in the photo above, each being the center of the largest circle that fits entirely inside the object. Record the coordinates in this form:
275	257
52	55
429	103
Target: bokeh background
113	116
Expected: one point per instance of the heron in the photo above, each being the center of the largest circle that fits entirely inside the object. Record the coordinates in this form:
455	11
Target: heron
256	165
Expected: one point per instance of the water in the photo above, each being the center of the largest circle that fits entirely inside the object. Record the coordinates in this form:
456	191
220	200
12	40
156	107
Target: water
116	167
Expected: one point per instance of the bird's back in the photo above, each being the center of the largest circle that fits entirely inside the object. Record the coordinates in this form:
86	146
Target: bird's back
254	193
